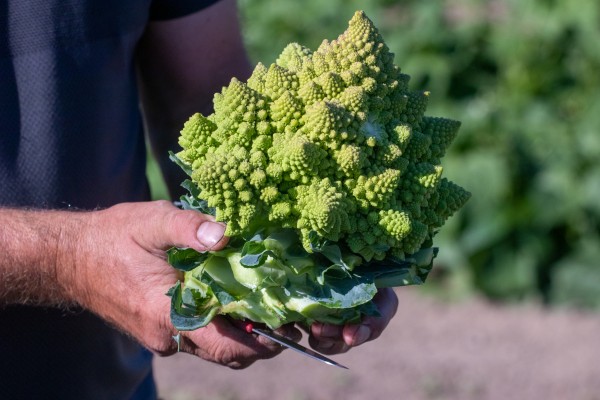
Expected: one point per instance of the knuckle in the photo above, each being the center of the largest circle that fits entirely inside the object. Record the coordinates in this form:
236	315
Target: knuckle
163	204
268	348
182	216
163	346
183	220
164	342
159	207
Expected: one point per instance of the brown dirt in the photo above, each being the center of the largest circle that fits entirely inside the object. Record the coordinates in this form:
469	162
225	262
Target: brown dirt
432	350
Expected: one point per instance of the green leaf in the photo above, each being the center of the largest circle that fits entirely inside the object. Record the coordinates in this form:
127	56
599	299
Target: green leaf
185	167
335	271
393	272
192	200
182	317
222	294
191	187
316	242
424	257
343	293
369	309
347	294
185	259
333	254
329	249
254	254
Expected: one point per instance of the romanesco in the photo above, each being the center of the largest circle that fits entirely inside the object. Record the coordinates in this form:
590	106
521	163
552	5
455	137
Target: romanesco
331	152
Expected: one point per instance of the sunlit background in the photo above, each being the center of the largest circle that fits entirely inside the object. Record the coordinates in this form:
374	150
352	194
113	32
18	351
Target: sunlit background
523	76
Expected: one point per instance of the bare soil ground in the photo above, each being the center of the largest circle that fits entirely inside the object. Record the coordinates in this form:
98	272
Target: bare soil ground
431	351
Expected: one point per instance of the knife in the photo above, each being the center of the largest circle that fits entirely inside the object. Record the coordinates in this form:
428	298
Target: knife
282	340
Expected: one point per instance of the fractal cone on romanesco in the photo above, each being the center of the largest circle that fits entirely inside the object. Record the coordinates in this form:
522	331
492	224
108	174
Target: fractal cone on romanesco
327	174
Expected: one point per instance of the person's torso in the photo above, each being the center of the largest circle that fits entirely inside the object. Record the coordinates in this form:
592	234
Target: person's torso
70	129
70	136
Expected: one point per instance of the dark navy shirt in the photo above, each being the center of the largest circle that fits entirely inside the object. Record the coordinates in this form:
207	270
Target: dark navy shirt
71	135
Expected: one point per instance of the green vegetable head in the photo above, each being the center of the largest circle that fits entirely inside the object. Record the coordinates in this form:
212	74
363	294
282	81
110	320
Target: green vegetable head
332	145
330	141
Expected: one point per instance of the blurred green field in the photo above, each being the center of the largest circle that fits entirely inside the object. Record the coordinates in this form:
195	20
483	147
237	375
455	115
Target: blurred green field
522	76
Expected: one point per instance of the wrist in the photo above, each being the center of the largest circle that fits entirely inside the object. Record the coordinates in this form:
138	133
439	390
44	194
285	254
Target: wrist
37	247
70	261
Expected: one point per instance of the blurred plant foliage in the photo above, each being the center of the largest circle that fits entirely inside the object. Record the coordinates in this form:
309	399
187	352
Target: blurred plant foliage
523	76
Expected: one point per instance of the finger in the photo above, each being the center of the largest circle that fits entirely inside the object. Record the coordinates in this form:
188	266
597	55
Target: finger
216	350
187	228
371	327
262	347
387	303
290	331
322	331
328	346
226	344
355	335
327	338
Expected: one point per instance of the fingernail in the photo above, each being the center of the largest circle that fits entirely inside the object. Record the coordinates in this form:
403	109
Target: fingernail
210	233
316	328
363	333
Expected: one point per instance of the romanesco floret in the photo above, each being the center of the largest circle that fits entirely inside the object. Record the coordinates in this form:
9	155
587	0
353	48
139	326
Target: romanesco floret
316	131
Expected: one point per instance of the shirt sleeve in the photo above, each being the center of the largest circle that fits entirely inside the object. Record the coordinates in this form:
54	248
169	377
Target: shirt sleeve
161	10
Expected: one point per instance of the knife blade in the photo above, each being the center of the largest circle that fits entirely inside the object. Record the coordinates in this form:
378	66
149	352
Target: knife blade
282	340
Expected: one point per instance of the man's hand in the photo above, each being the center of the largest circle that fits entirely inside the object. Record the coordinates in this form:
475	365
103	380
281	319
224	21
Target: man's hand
122	275
333	339
113	263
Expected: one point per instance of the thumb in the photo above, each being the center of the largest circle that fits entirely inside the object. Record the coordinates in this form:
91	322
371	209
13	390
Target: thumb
187	228
211	234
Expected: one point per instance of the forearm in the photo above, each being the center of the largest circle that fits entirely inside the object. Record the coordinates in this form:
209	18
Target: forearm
35	266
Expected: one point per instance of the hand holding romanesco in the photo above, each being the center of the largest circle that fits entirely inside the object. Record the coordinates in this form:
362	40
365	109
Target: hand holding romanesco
328	175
